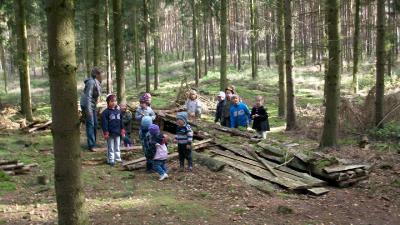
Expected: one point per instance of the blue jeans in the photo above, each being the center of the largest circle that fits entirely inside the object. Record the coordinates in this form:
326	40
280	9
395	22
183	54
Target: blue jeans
184	153
91	126
160	166
113	149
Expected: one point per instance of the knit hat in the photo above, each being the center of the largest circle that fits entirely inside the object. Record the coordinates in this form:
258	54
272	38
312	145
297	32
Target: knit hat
221	94
146	98
154	129
146	122
182	116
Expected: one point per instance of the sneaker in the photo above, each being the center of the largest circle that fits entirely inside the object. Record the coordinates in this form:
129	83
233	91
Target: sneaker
190	169
162	177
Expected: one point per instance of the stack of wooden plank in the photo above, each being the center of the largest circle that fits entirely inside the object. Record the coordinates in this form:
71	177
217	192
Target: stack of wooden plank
320	165
250	163
14	167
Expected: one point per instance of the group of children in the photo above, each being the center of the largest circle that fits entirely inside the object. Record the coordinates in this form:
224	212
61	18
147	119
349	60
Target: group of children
117	125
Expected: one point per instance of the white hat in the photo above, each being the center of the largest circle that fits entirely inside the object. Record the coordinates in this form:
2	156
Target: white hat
221	94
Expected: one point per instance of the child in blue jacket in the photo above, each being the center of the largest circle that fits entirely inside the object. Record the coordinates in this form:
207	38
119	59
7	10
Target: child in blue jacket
111	122
144	140
239	113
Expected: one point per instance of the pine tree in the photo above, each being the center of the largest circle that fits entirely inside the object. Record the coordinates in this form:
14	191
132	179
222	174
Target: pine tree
224	31
119	51
380	62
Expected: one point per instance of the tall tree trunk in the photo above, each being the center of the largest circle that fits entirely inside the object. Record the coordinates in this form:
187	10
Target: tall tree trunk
195	44
329	133
224	31
253	39
205	35
87	55
290	101
156	39
3	66
96	32
23	65
108	47
280	58
239	63
356	45
65	126
136	46
212	34
119	50
380	62
146	42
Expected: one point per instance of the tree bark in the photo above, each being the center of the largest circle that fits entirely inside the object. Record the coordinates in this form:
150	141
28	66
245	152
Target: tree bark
23	66
223	31
195	44
329	133
119	50
290	102
280	58
108	47
96	32
356	45
380	62
253	39
146	43
136	46
65	119
3	66
156	39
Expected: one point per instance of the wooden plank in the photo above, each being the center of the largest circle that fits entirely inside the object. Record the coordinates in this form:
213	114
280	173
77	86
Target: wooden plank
236	150
12	166
340	168
304	177
263	162
234	132
264	174
318	191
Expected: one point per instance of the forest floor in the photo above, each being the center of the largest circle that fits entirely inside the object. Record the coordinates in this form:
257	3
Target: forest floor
199	197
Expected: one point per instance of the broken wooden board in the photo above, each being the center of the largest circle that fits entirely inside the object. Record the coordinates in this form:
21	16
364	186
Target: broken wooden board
282	171
233	131
264	174
261	185
318	191
271	149
341	168
235	150
141	162
6	162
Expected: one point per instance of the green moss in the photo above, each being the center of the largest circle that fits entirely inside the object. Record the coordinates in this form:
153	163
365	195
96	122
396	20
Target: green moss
325	162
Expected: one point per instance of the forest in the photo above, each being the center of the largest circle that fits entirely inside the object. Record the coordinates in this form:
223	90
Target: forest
286	112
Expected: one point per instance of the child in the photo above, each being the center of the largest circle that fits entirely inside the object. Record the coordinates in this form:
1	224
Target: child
260	118
225	117
193	105
143	136
144	108
127	124
239	113
112	129
220	105
158	151
184	138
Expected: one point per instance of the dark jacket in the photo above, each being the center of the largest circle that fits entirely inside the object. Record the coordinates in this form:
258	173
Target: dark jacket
111	121
153	140
218	113
90	94
127	121
260	123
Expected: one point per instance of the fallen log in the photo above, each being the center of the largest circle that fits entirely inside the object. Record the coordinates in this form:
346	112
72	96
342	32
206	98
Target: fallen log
341	168
6	162
141	162
42	126
122	149
12	166
211	163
